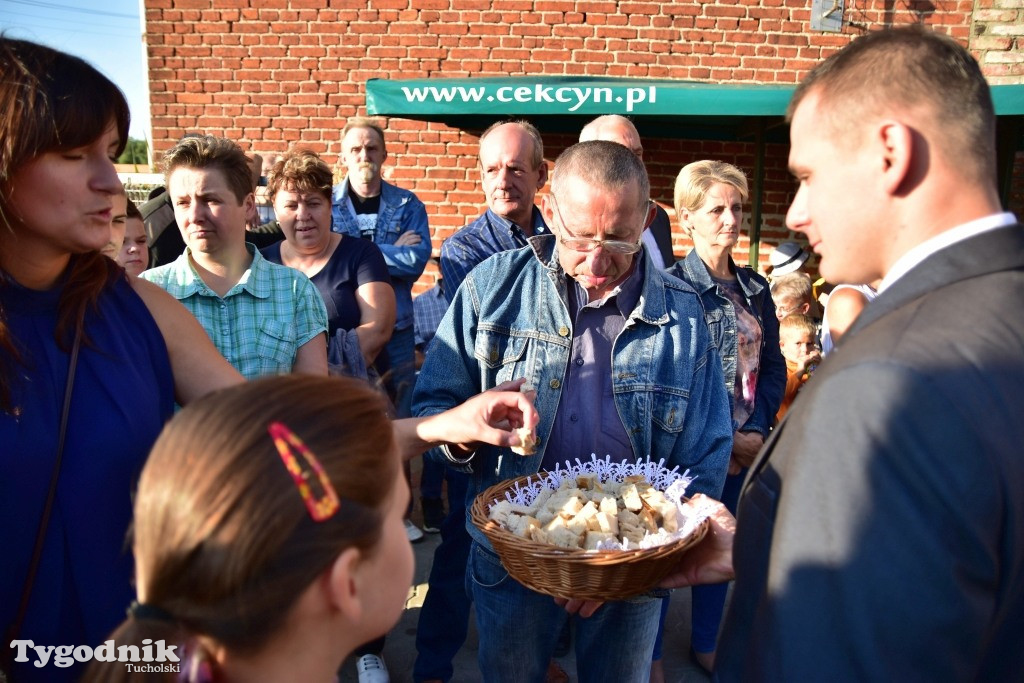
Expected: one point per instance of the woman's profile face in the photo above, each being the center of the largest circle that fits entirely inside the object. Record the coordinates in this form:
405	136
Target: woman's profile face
62	201
389	567
717	222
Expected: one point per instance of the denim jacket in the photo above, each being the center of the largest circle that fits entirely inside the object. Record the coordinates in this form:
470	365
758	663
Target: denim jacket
510	319
400	211
721	319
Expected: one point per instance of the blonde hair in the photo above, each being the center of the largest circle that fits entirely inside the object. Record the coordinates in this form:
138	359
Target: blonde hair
694	181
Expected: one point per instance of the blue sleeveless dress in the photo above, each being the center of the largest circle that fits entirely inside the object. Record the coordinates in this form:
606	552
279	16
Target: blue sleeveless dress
122	396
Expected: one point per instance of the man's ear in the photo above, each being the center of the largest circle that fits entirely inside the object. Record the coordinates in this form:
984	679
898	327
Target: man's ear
896	142
805	308
542	177
652	211
249	203
547	208
342	585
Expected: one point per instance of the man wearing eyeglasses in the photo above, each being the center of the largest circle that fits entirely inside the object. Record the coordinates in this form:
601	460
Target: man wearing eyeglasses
622	365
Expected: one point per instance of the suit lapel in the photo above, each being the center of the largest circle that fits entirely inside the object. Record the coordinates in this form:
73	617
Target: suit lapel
999	249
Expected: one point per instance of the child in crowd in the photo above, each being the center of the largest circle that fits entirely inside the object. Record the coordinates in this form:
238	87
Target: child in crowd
792	293
119	214
134	253
798	339
268	531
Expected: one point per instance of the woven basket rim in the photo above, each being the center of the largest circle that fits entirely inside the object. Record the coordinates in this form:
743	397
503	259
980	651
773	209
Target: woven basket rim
495	531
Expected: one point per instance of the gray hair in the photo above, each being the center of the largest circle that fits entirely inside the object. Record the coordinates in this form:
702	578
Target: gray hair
605	164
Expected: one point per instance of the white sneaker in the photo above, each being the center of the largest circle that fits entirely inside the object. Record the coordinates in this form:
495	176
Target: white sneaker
372	669
413	532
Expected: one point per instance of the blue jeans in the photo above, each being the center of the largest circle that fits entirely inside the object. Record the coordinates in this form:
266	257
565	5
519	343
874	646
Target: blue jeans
402	375
433	475
709	599
444	617
518	629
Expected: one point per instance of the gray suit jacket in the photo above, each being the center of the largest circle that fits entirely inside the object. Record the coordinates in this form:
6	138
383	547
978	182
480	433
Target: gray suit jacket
881	531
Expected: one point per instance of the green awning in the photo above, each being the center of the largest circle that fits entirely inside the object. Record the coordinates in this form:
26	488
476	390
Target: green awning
570	95
439	98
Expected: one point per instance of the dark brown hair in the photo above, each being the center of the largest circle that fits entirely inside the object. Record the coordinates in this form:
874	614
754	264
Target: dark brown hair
52	101
223	541
910	68
303	171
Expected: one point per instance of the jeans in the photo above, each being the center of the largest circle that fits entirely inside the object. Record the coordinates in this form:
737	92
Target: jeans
433	475
709	599
518	629
444	617
402	375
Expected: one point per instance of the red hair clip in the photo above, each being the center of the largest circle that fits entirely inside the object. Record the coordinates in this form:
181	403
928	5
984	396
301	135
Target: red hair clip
320	508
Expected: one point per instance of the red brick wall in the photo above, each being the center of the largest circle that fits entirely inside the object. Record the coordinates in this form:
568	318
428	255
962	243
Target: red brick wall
276	73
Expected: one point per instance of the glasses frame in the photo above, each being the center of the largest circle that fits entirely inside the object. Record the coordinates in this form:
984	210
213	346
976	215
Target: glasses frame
590	244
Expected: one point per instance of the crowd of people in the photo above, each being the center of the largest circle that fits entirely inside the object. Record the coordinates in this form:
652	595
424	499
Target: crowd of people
244	394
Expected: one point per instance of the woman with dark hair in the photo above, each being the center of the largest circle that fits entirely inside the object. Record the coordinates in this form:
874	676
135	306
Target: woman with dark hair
350	273
90	361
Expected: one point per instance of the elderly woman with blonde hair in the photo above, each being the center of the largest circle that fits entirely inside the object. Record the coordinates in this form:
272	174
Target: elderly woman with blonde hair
738	307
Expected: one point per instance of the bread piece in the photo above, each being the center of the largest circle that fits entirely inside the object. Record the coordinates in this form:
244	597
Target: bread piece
592	538
521	525
528	442
630	497
564	538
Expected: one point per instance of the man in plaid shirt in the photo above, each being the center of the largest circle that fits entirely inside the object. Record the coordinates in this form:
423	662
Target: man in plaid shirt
264	318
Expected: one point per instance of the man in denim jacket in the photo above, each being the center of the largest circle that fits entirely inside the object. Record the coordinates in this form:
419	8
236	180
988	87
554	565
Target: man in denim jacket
622	364
364	205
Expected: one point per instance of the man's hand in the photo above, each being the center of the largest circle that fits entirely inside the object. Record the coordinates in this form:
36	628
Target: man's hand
489	417
409	238
710	561
585	608
745	447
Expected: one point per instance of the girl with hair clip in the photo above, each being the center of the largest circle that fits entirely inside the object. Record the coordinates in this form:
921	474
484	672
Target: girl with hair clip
269	538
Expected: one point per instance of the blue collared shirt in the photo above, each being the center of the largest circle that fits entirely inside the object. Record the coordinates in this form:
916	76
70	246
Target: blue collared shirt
429	308
587	420
487	235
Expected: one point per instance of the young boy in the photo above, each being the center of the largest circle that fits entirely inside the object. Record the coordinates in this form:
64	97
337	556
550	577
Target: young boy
793	293
798	340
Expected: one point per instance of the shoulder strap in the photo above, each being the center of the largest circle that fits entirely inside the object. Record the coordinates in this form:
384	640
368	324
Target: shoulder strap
44	522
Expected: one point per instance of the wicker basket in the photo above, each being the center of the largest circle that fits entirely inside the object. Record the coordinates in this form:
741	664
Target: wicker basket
577	573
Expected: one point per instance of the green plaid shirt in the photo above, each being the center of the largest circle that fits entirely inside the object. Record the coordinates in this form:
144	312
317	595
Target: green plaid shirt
261	322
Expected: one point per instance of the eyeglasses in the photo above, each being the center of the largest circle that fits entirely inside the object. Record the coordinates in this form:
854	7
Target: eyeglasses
585	245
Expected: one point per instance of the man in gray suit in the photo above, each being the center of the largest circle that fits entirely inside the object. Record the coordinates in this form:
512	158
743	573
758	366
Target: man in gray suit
881	531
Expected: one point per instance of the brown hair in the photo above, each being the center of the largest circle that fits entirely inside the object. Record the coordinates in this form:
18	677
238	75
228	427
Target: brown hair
52	101
302	170
206	152
132	210
223	542
910	68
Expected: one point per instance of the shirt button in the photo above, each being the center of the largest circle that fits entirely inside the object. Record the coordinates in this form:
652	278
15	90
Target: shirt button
573	418
563	331
494	356
579	361
554	384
